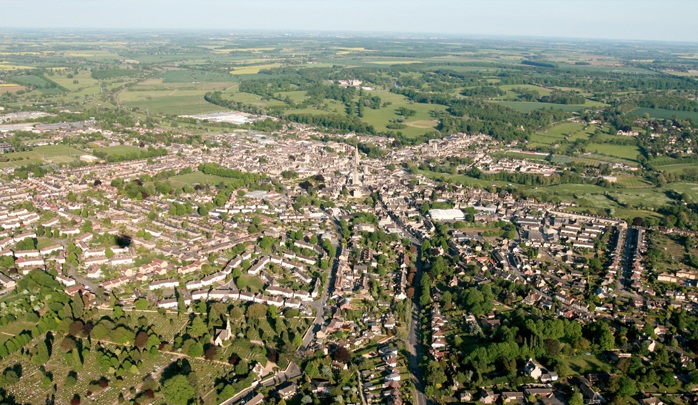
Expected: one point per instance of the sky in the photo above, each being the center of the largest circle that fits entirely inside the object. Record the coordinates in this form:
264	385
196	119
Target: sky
659	20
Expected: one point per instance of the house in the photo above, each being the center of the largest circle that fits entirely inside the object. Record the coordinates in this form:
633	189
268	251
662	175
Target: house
536	371
289	390
591	397
320	387
168	283
9	283
66	281
652	401
256	400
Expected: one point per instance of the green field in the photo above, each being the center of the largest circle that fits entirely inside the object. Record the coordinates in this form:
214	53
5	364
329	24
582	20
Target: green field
28	80
678	168
528	106
83	77
584	364
526	156
120	150
659	113
622	151
198	178
628	181
171	101
188	76
12	329
57	150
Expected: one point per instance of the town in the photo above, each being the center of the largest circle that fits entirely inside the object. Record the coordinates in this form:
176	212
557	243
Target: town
302	267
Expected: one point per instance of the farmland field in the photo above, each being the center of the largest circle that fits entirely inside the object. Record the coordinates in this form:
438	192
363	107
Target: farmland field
622	151
628	181
659	113
171	101
528	106
188	76
32	80
678	168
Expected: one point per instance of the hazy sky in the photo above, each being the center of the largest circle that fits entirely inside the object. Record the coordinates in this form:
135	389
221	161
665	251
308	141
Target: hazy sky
663	20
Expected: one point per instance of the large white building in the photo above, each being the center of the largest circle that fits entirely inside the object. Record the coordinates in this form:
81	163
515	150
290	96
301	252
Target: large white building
446	215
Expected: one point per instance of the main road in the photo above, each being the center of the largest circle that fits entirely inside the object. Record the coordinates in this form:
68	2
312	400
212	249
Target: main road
414	347
320	305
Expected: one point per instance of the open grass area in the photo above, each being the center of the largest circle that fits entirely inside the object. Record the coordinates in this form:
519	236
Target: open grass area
189	76
191	179
584	364
120	150
510	89
57	150
246	70
659	113
622	151
254	284
12	329
629	181
42	243
84	79
16	159
29	80
678	168
528	106
170	101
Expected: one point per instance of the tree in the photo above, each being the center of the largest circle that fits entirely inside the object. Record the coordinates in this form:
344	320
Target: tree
196	350
78	305
41	355
341	355
211	352
141	304
198	327
75	328
153	341
141	340
627	387
257	311
178	390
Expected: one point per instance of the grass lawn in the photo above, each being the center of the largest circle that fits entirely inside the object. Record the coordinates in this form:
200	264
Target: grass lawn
41	155
198	177
170	100
120	150
17	159
57	150
509	88
12	329
254	284
659	113
622	151
527	106
678	168
584	364
461	179
629	181
42	243
83	77
188	76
